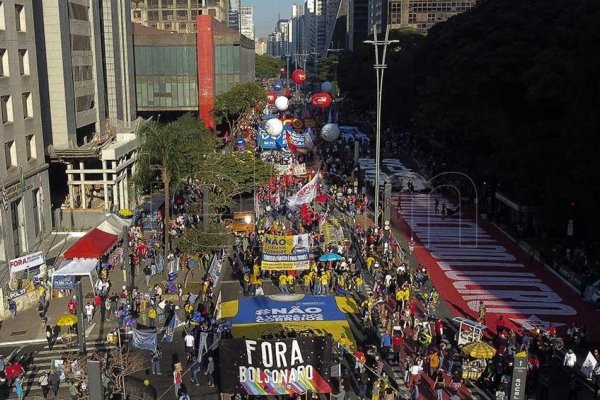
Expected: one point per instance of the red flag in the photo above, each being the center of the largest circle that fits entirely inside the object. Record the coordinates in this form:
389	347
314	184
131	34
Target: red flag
290	142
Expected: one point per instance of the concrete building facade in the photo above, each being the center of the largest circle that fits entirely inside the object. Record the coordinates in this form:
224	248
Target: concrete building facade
178	15
247	21
420	15
234	14
25	218
85	63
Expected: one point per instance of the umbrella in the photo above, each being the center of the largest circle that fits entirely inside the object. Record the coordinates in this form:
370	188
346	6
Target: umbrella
331	257
66	320
479	350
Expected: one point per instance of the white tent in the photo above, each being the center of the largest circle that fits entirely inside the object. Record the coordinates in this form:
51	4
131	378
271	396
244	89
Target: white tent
113	225
78	267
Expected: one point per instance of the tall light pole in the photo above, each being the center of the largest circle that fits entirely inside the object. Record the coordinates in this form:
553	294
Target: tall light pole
380	67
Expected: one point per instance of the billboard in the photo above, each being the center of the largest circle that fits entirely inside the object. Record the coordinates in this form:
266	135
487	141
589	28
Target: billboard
275	367
283	253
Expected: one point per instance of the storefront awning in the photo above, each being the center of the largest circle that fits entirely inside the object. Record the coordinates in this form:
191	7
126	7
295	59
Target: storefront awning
76	267
94	244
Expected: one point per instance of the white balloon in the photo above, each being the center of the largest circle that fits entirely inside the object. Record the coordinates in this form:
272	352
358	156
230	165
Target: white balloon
330	132
282	103
274	127
326	87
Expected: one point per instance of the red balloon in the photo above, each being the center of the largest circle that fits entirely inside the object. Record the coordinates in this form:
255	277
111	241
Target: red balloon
289	93
320	100
299	76
271	97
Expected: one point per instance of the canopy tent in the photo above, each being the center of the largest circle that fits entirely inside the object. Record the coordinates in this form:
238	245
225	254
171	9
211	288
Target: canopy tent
94	244
77	267
260	316
113	225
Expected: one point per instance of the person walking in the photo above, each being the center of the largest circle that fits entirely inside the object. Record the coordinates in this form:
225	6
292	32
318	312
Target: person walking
196	371
189	343
570	359
147	274
54	381
210	370
73	391
155	362
439	384
177	379
89	313
108	307
19	388
12	307
44	384
50	336
152	317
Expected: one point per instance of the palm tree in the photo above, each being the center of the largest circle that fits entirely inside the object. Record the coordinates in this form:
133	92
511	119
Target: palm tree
173	149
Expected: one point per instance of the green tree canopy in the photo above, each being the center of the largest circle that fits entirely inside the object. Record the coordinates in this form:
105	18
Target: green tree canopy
230	106
267	67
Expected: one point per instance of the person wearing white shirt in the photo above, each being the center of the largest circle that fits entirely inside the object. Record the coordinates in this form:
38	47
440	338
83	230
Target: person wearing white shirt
570	359
189	343
89	312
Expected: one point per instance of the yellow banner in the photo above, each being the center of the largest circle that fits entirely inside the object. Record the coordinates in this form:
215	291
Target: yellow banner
283	253
332	231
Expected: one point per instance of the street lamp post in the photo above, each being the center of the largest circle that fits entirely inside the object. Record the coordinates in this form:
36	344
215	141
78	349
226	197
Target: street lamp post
380	67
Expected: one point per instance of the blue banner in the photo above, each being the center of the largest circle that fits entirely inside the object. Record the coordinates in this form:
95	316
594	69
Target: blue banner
267	142
63	282
298	138
145	340
170	329
308	308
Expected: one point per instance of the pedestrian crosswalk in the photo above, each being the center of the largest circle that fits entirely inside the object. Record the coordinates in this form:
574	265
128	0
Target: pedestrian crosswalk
42	359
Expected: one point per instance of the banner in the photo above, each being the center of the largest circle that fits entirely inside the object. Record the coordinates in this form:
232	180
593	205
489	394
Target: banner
282	253
26	262
145	340
297	139
519	377
170	329
306	194
275	367
63	282
588	364
332	231
267	142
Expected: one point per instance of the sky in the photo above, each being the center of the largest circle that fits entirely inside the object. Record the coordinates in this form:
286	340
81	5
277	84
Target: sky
266	12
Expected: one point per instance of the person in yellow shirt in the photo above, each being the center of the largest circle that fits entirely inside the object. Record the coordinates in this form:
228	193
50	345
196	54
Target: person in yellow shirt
358	284
324	281
370	263
253	283
188	308
291	281
307	281
152	317
283	287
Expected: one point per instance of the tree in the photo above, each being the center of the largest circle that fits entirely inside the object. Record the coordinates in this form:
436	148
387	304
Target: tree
199	240
172	151
231	106
266	67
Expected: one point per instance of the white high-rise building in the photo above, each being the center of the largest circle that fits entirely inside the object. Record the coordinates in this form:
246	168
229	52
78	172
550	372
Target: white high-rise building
247	21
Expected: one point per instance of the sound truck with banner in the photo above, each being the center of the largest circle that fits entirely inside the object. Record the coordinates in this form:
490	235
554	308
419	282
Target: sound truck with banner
275	367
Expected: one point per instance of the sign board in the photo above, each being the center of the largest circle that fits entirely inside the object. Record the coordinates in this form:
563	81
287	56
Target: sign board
275	367
63	282
18	293
26	262
283	253
519	377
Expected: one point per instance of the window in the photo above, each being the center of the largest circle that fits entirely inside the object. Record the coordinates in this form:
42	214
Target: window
10	154
80	43
182	26
212	12
30	144
27	105
137	14
16	223
78	11
36	211
83	103
3	62
152	15
20	18
2	20
7	109
82	73
168	25
23	62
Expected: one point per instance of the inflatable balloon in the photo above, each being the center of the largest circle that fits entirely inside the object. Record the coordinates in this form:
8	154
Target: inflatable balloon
277	85
330	132
289	93
299	76
274	127
297	124
320	100
288	121
271	98
282	103
326	87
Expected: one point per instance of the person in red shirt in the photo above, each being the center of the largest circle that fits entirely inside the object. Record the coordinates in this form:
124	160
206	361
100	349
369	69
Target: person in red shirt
439	331
413	311
72	307
398	346
500	324
551	330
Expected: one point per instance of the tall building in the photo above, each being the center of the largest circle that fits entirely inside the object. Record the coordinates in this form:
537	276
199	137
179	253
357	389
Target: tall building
420	15
25	217
234	14
297	29
84	59
247	22
261	46
377	15
178	15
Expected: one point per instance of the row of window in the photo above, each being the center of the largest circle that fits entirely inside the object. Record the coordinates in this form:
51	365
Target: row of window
20	18
7	111
19	221
23	62
10	151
